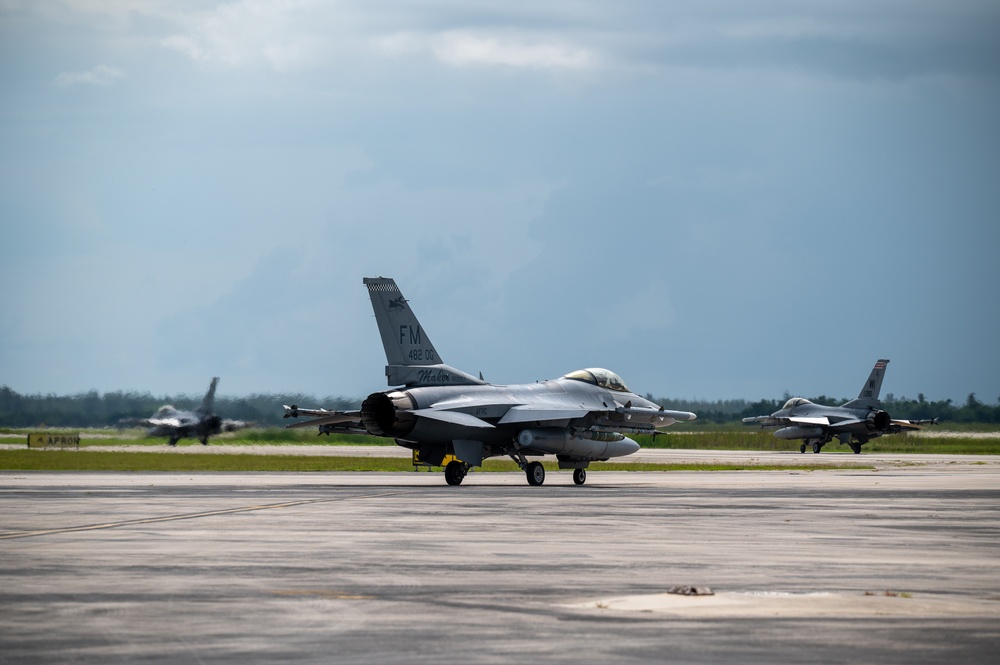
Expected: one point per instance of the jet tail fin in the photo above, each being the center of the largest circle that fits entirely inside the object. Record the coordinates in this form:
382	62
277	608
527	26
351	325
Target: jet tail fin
208	402
411	358
868	397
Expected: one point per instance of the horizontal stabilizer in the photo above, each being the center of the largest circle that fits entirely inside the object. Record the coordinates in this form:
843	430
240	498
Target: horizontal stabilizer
453	417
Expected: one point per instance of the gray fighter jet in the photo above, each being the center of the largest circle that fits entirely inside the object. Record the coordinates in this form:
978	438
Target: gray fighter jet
442	412
198	424
854	423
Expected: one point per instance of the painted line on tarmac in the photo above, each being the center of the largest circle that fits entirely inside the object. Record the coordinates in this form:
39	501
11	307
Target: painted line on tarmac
8	535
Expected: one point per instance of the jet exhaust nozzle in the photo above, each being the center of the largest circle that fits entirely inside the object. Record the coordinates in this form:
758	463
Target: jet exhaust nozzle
877	421
388	414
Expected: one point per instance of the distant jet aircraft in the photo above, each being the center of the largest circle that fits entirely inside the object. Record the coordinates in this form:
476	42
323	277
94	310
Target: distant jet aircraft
198	424
441	411
854	423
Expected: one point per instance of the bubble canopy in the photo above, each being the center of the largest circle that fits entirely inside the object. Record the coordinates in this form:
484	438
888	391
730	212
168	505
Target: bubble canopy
795	401
599	377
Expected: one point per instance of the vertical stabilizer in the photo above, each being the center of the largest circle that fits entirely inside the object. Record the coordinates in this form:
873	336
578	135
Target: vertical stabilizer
412	359
868	397
208	403
404	340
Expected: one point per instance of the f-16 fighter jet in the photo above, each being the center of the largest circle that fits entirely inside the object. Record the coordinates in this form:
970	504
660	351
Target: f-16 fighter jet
854	423
440	411
199	424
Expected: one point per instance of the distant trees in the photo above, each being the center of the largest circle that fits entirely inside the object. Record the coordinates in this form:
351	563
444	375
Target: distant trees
723	411
93	409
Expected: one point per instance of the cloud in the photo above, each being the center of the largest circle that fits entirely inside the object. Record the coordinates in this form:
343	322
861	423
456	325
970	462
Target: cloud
462	48
102	75
250	32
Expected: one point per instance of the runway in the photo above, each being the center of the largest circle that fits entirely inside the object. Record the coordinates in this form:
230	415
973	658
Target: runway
899	564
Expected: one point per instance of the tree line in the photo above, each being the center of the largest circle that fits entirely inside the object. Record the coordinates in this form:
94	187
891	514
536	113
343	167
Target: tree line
112	409
723	411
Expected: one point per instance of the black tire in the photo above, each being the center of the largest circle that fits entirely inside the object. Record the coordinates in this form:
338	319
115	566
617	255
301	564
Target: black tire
536	474
579	476
817	448
802	448
454	473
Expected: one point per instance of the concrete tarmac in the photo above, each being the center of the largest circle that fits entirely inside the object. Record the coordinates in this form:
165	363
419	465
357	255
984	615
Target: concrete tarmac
895	565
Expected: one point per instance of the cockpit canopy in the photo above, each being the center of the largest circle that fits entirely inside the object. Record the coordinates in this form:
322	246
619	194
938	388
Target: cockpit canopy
795	401
599	377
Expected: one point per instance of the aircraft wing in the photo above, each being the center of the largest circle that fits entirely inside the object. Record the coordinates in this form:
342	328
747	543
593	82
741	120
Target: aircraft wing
294	411
327	421
333	418
453	417
812	420
896	426
527	413
163	422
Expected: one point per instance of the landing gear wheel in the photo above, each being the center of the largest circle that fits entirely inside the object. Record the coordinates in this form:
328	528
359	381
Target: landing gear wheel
455	472
535	473
579	476
817	447
802	448
856	447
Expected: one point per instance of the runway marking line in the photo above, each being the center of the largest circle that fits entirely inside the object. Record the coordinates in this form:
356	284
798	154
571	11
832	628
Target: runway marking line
321	593
8	535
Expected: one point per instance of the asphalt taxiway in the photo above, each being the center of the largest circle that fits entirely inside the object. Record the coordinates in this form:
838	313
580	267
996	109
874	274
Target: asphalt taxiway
899	564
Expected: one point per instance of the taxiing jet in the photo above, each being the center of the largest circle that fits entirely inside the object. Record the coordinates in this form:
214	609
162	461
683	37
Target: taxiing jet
198	424
854	423
442	412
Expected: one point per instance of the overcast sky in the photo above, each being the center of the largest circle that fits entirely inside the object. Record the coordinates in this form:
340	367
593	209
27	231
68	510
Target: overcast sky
715	199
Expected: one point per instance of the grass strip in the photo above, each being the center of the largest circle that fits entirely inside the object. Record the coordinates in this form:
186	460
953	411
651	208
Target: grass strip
71	460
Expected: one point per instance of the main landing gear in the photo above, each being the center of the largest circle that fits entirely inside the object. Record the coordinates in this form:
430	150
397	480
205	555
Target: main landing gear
579	476
536	473
455	472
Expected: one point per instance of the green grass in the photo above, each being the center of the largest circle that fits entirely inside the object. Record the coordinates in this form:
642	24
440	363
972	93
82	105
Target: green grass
72	460
747	438
764	440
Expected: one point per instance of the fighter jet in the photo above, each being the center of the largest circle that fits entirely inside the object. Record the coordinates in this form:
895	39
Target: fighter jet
854	423
442	412
199	424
